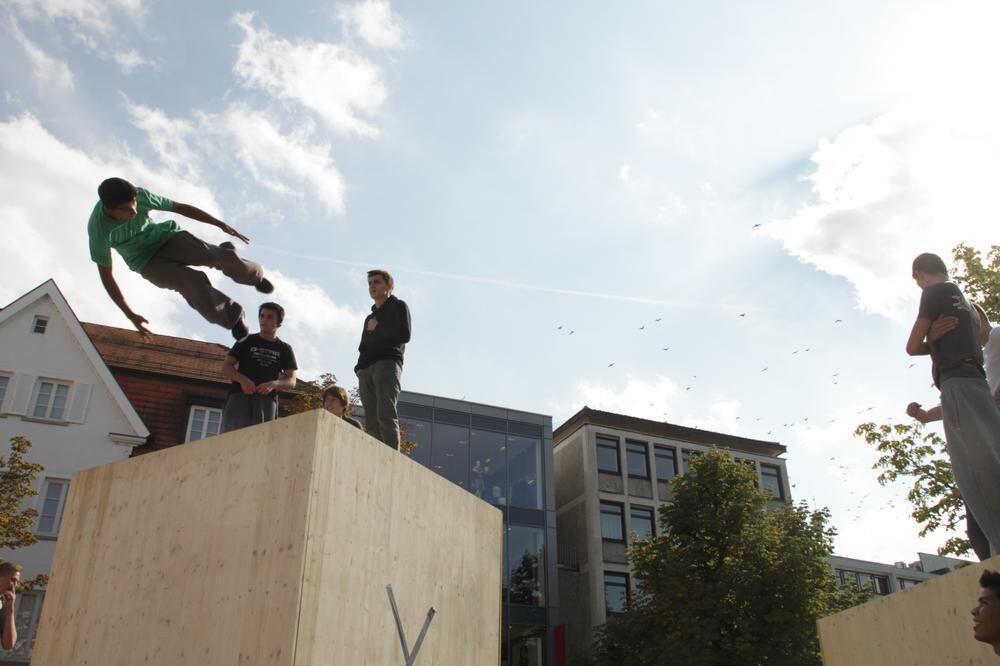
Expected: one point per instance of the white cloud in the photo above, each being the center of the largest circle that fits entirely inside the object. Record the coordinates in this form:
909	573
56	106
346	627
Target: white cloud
49	224
130	60
329	79
269	154
723	416
168	137
915	179
49	70
918	178
90	15
311	310
638	397
625	173
375	22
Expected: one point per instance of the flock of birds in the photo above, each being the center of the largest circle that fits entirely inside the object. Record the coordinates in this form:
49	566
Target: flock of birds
855	510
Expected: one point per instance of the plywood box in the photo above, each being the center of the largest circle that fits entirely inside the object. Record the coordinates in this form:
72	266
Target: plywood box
930	624
272	545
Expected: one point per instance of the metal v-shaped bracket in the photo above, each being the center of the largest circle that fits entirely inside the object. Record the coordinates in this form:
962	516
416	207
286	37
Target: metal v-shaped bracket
409	658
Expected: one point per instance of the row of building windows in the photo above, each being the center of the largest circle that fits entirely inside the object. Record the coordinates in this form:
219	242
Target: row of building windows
879	585
502	468
641	519
665	461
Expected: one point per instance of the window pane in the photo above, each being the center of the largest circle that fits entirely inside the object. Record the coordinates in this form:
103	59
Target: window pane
212	428
638	462
26	609
197	424
527	645
641	519
771	478
612	521
4	380
48	520
40	324
525	456
489	467
450	452
666	464
418	431
607	455
881	585
686	457
615	592
526	557
42	402
59	402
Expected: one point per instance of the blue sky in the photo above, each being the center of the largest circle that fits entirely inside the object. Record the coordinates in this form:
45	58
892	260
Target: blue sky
525	166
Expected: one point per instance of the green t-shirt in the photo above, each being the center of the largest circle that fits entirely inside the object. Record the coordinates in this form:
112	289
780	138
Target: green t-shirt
136	240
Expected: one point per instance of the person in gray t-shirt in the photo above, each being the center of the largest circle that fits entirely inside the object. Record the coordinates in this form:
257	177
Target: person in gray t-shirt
971	418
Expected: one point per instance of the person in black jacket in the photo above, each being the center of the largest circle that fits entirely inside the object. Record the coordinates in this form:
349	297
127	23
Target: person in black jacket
380	362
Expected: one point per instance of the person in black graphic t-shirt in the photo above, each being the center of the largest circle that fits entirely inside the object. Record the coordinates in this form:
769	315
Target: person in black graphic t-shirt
260	365
971	418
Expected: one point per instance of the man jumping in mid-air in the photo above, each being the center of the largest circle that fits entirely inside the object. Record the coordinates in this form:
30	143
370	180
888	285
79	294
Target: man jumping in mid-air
163	254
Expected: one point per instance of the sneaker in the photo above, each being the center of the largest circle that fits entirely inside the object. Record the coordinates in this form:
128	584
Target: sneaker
264	286
227	246
240	330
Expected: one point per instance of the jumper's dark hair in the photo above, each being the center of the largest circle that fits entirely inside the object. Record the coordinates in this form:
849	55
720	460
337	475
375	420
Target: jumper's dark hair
278	310
116	191
991	581
385	275
9	568
340	393
928	263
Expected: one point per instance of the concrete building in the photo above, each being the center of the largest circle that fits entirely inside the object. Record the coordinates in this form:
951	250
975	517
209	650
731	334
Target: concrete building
883	579
612	473
503	456
55	390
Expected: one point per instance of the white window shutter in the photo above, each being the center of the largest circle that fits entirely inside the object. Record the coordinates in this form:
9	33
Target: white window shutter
23	386
78	407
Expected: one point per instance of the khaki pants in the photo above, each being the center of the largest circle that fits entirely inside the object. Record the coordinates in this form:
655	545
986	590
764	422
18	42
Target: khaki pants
378	385
170	268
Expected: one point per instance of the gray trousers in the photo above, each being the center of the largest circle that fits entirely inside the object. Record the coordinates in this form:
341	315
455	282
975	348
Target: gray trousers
378	385
170	268
242	410
972	430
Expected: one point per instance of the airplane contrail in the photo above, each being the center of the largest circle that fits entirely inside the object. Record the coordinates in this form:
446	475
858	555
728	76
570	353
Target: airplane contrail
503	283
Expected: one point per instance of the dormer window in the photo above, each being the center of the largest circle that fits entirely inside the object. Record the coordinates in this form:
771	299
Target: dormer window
39	325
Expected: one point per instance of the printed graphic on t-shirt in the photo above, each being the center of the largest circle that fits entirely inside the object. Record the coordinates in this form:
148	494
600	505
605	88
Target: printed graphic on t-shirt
265	358
959	302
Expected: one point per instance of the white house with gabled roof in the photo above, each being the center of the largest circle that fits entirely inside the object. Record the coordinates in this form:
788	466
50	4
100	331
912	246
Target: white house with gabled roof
56	391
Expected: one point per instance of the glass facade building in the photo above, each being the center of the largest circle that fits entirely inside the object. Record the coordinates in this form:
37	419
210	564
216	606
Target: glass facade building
504	457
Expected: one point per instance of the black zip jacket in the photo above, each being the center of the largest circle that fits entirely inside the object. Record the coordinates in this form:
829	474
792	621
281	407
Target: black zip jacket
388	340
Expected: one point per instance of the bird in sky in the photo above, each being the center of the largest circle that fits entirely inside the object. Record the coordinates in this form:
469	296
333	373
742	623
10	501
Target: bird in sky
657	319
743	314
687	388
755	226
558	328
764	370
572	332
666	349
610	364
837	321
642	328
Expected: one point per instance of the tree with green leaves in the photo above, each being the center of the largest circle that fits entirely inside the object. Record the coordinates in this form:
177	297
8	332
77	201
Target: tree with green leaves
908	453
17	483
727	581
